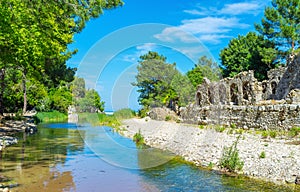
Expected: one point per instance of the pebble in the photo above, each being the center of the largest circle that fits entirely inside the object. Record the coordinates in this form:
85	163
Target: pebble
281	162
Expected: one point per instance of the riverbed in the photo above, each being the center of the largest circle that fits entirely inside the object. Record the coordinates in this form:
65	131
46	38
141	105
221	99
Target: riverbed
70	157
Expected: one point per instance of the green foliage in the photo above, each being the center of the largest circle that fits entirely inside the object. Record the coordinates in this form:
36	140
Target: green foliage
233	125
211	165
34	45
294	131
143	112
230	159
160	83
201	126
61	99
91	102
272	134
183	89
250	52
138	138
85	100
262	155
204	68
264	134
53	116
124	114
220	129
281	24
168	118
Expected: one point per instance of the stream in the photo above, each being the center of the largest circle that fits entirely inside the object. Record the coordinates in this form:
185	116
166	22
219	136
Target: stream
67	157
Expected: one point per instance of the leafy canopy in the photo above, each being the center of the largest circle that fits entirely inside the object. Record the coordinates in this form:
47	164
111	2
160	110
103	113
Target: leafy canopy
250	52
204	68
281	24
160	83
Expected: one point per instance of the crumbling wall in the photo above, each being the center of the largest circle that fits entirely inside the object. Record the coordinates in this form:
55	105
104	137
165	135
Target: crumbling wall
290	79
242	100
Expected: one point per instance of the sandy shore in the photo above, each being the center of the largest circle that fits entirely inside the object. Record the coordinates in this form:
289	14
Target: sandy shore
204	147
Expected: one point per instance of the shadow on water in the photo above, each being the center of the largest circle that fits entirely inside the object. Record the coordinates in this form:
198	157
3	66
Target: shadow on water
65	157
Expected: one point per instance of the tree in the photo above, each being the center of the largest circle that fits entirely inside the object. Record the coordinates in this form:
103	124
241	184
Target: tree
91	102
153	80
250	52
204	68
34	38
281	24
161	84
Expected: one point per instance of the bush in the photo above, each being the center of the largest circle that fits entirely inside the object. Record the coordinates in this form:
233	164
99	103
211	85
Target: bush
233	125
53	116
230	159
273	134
294	131
264	134
138	138
168	118
143	112
262	155
220	129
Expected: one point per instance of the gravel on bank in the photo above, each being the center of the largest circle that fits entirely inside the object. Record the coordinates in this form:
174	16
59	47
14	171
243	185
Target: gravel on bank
204	147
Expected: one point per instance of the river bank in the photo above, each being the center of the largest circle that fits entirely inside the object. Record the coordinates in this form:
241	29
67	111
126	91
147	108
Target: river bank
204	147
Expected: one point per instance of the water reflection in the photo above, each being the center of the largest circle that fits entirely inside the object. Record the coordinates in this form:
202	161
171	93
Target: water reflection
32	161
60	158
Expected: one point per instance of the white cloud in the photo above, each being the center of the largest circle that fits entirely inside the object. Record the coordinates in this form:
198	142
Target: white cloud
207	29
241	8
252	8
172	34
141	50
146	47
211	25
214	23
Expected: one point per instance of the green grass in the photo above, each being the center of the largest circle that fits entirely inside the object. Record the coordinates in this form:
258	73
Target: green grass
100	119
53	116
168	118
124	114
294	131
262	155
230	159
220	129
138	138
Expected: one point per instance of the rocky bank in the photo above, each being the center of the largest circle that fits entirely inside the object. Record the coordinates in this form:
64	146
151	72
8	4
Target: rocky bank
204	147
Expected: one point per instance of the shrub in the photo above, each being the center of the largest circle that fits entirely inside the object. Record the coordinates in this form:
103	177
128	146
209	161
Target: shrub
220	129
138	138
230	159
273	134
201	126
262	155
168	118
264	134
143	112
211	165
233	125
294	131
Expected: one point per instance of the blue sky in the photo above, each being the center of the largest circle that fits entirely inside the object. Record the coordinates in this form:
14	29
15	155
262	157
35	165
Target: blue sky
109	46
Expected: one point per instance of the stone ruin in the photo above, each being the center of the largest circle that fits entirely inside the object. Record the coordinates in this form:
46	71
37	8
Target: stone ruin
248	103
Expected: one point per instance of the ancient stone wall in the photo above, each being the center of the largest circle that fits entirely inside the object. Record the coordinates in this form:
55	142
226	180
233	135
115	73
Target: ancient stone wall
242	100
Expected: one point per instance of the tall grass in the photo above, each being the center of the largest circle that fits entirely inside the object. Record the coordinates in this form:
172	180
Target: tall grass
53	116
99	119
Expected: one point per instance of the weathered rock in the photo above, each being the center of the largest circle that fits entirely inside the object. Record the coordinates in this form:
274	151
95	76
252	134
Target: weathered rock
297	180
245	102
162	113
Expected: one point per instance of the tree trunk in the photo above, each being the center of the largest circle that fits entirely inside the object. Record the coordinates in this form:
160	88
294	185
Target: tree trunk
2	85
24	91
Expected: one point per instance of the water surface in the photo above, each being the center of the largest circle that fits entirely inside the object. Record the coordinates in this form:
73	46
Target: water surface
65	157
